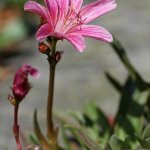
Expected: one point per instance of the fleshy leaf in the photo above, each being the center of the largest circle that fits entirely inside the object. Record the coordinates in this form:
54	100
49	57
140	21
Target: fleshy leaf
39	134
120	51
144	143
33	139
86	142
96	115
146	133
66	140
114	82
117	144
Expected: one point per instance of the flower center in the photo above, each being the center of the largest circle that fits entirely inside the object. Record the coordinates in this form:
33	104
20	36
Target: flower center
72	18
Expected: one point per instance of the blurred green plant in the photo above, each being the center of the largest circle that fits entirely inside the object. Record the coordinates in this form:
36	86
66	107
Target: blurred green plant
15	24
128	130
18	3
12	33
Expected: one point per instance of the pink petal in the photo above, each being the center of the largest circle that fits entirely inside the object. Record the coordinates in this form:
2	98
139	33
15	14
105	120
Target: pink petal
76	40
34	7
21	85
96	9
53	9
43	32
77	5
63	5
32	71
95	32
35	73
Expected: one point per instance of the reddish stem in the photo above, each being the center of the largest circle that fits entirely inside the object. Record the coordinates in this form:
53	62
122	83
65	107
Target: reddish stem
52	65
16	127
50	102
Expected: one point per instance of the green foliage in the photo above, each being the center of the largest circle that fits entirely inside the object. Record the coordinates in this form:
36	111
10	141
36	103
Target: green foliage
116	144
18	3
145	139
129	129
13	32
82	138
33	139
15	2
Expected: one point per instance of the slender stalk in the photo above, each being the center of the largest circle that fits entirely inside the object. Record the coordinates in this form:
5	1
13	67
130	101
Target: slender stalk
50	102
16	126
52	65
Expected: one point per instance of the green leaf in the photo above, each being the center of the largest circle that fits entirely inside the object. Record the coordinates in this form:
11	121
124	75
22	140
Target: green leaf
117	144
144	143
96	115
126	96
38	132
146	133
120	51
65	138
114	82
33	139
78	116
145	139
125	128
131	107
141	96
136	122
86	142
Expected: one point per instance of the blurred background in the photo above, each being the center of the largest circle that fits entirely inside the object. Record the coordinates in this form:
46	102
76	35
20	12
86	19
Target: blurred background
80	77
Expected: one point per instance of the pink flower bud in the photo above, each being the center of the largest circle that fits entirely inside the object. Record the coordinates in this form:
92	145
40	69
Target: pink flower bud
12	99
21	85
43	48
58	55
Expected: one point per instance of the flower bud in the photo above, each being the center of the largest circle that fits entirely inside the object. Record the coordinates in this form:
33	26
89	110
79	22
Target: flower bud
12	99
21	85
43	48
58	55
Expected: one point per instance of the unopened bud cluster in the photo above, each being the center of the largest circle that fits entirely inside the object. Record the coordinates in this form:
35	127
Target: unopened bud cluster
58	55
21	85
43	48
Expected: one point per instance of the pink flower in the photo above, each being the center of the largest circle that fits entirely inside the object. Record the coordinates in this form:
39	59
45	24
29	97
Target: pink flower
21	85
66	19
